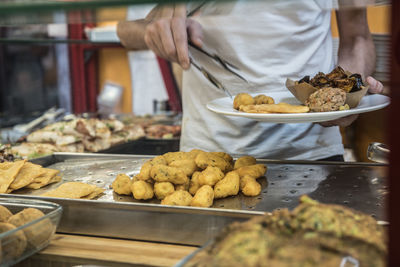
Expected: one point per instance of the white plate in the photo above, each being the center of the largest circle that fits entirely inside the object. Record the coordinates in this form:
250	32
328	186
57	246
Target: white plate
368	103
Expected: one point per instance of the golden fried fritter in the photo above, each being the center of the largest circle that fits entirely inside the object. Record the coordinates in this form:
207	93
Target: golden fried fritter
263	99
122	184
203	160
204	197
36	234
5	214
178	198
255	171
142	190
210	176
188	166
173	156
194	183
13	245
243	99
162	173
244	161
249	186
228	186
163	189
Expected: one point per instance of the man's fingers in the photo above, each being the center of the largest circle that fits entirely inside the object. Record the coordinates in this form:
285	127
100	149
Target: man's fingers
167	40
178	26
181	42
342	122
152	41
375	86
195	32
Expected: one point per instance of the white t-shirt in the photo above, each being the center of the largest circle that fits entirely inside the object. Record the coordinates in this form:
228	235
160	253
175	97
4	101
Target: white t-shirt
269	41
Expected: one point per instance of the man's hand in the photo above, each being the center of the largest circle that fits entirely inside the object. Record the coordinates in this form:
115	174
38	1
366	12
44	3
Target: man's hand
166	30
167	33
375	87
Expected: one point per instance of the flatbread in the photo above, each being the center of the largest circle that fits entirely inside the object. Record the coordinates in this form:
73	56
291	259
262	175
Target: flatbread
71	190
8	172
26	175
44	179
97	191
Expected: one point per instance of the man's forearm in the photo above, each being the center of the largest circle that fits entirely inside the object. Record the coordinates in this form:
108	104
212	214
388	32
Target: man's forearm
131	34
359	56
356	47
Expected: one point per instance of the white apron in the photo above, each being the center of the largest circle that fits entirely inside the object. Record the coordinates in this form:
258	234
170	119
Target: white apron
269	41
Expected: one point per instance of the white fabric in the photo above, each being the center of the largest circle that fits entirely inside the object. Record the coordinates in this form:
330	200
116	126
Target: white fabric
269	41
147	81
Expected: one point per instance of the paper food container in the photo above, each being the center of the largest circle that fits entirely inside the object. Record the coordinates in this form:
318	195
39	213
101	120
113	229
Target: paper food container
303	90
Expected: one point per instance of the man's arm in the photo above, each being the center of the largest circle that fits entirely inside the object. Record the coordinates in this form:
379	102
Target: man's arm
131	34
356	53
356	47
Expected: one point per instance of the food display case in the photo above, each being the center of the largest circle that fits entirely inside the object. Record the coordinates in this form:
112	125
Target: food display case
371	188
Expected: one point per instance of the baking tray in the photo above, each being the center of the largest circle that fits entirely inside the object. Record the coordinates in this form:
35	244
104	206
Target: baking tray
358	185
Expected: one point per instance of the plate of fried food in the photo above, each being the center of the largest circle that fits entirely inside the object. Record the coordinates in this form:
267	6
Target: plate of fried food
325	97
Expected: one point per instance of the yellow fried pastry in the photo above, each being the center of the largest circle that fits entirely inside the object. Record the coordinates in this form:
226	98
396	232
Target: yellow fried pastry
275	108
255	171
204	197
249	186
194	183
26	175
122	184
178	198
36	234
163	189
96	192
142	190
210	176
49	176
188	166
162	173
228	186
71	190
8	172
242	99
13	245
203	160
263	99
244	161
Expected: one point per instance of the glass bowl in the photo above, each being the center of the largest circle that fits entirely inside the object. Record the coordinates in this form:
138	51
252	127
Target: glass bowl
28	232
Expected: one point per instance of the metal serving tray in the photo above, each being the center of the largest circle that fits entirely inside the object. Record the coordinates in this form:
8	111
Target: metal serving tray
357	185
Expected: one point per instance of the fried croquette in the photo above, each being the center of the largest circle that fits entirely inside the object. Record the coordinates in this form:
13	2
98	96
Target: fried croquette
122	184
210	176
204	197
228	186
243	99
142	190
244	161
249	186
162	173
178	198
163	189
203	160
